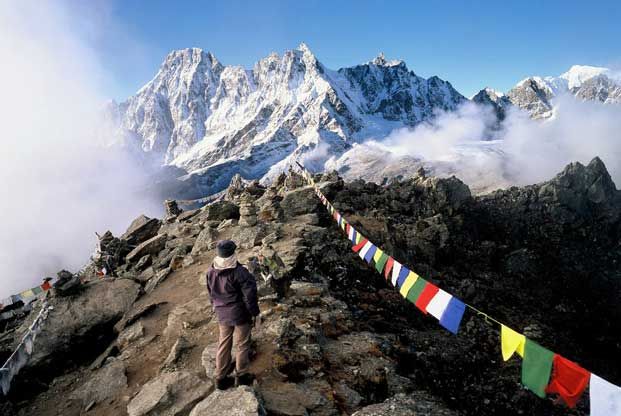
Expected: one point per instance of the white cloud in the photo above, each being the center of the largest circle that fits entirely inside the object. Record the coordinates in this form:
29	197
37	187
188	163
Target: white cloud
59	184
523	151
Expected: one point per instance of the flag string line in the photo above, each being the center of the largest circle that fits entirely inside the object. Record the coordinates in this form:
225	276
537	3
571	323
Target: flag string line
344	221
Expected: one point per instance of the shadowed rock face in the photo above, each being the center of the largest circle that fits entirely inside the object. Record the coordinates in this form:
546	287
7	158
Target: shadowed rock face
544	259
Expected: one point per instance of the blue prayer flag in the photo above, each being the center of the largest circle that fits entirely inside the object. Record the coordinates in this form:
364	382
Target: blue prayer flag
369	256
451	318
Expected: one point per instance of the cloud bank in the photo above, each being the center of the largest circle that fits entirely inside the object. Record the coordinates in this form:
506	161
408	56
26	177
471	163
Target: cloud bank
522	151
59	182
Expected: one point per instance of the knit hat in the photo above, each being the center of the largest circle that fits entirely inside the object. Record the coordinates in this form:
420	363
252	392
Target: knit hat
225	248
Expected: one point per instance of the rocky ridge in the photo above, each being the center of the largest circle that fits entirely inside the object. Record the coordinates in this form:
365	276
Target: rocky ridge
543	258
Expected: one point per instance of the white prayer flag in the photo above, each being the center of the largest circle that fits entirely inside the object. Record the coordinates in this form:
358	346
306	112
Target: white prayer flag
439	303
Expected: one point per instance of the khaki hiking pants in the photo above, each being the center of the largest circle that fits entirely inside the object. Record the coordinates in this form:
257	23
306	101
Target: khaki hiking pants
240	334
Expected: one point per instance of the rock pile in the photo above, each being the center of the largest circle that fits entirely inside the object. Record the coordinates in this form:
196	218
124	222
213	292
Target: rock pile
247	211
172	209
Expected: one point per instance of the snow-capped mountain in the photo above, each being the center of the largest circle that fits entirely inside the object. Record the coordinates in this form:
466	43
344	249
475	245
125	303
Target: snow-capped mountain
499	101
204	121
534	94
213	121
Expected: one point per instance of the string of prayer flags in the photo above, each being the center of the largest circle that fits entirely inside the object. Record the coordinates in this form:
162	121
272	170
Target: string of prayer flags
510	342
568	380
536	367
425	297
605	397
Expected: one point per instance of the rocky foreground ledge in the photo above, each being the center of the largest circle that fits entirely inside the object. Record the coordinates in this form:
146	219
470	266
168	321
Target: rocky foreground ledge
543	258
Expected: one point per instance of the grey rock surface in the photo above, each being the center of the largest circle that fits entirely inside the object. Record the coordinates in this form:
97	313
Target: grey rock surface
169	394
240	401
105	383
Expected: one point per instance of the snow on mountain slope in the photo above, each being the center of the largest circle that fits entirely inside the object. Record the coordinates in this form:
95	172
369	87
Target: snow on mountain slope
578	74
214	121
534	94
204	121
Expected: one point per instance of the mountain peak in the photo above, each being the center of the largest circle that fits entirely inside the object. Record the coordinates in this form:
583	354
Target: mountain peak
380	60
190	55
577	74
303	47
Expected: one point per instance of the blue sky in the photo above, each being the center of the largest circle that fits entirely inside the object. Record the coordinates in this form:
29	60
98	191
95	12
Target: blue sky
469	43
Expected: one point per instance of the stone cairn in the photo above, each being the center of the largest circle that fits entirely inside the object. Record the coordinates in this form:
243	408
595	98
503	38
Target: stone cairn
247	211
235	188
172	209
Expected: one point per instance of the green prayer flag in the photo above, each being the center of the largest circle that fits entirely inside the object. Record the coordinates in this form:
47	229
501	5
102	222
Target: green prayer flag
536	367
379	265
37	290
416	290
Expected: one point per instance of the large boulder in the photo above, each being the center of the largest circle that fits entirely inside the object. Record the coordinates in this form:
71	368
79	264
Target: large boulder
205	241
248	237
141	229
241	401
219	211
151	246
76	324
300	201
169	394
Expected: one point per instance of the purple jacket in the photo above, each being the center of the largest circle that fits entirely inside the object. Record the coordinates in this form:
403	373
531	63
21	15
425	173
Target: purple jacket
233	294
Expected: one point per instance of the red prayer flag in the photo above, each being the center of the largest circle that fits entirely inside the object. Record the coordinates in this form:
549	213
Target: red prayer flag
359	246
425	297
347	228
388	267
46	285
568	380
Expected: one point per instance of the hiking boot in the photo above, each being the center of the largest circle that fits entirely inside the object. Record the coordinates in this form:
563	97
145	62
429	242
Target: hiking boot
245	379
224	383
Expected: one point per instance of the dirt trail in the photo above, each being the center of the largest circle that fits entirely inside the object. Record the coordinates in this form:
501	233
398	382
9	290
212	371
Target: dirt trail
181	287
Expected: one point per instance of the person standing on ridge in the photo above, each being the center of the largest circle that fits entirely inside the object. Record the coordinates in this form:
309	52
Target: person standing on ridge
233	292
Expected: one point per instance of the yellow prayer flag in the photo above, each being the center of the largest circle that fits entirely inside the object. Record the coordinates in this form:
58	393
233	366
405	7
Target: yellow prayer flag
510	342
27	294
358	238
408	283
378	254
